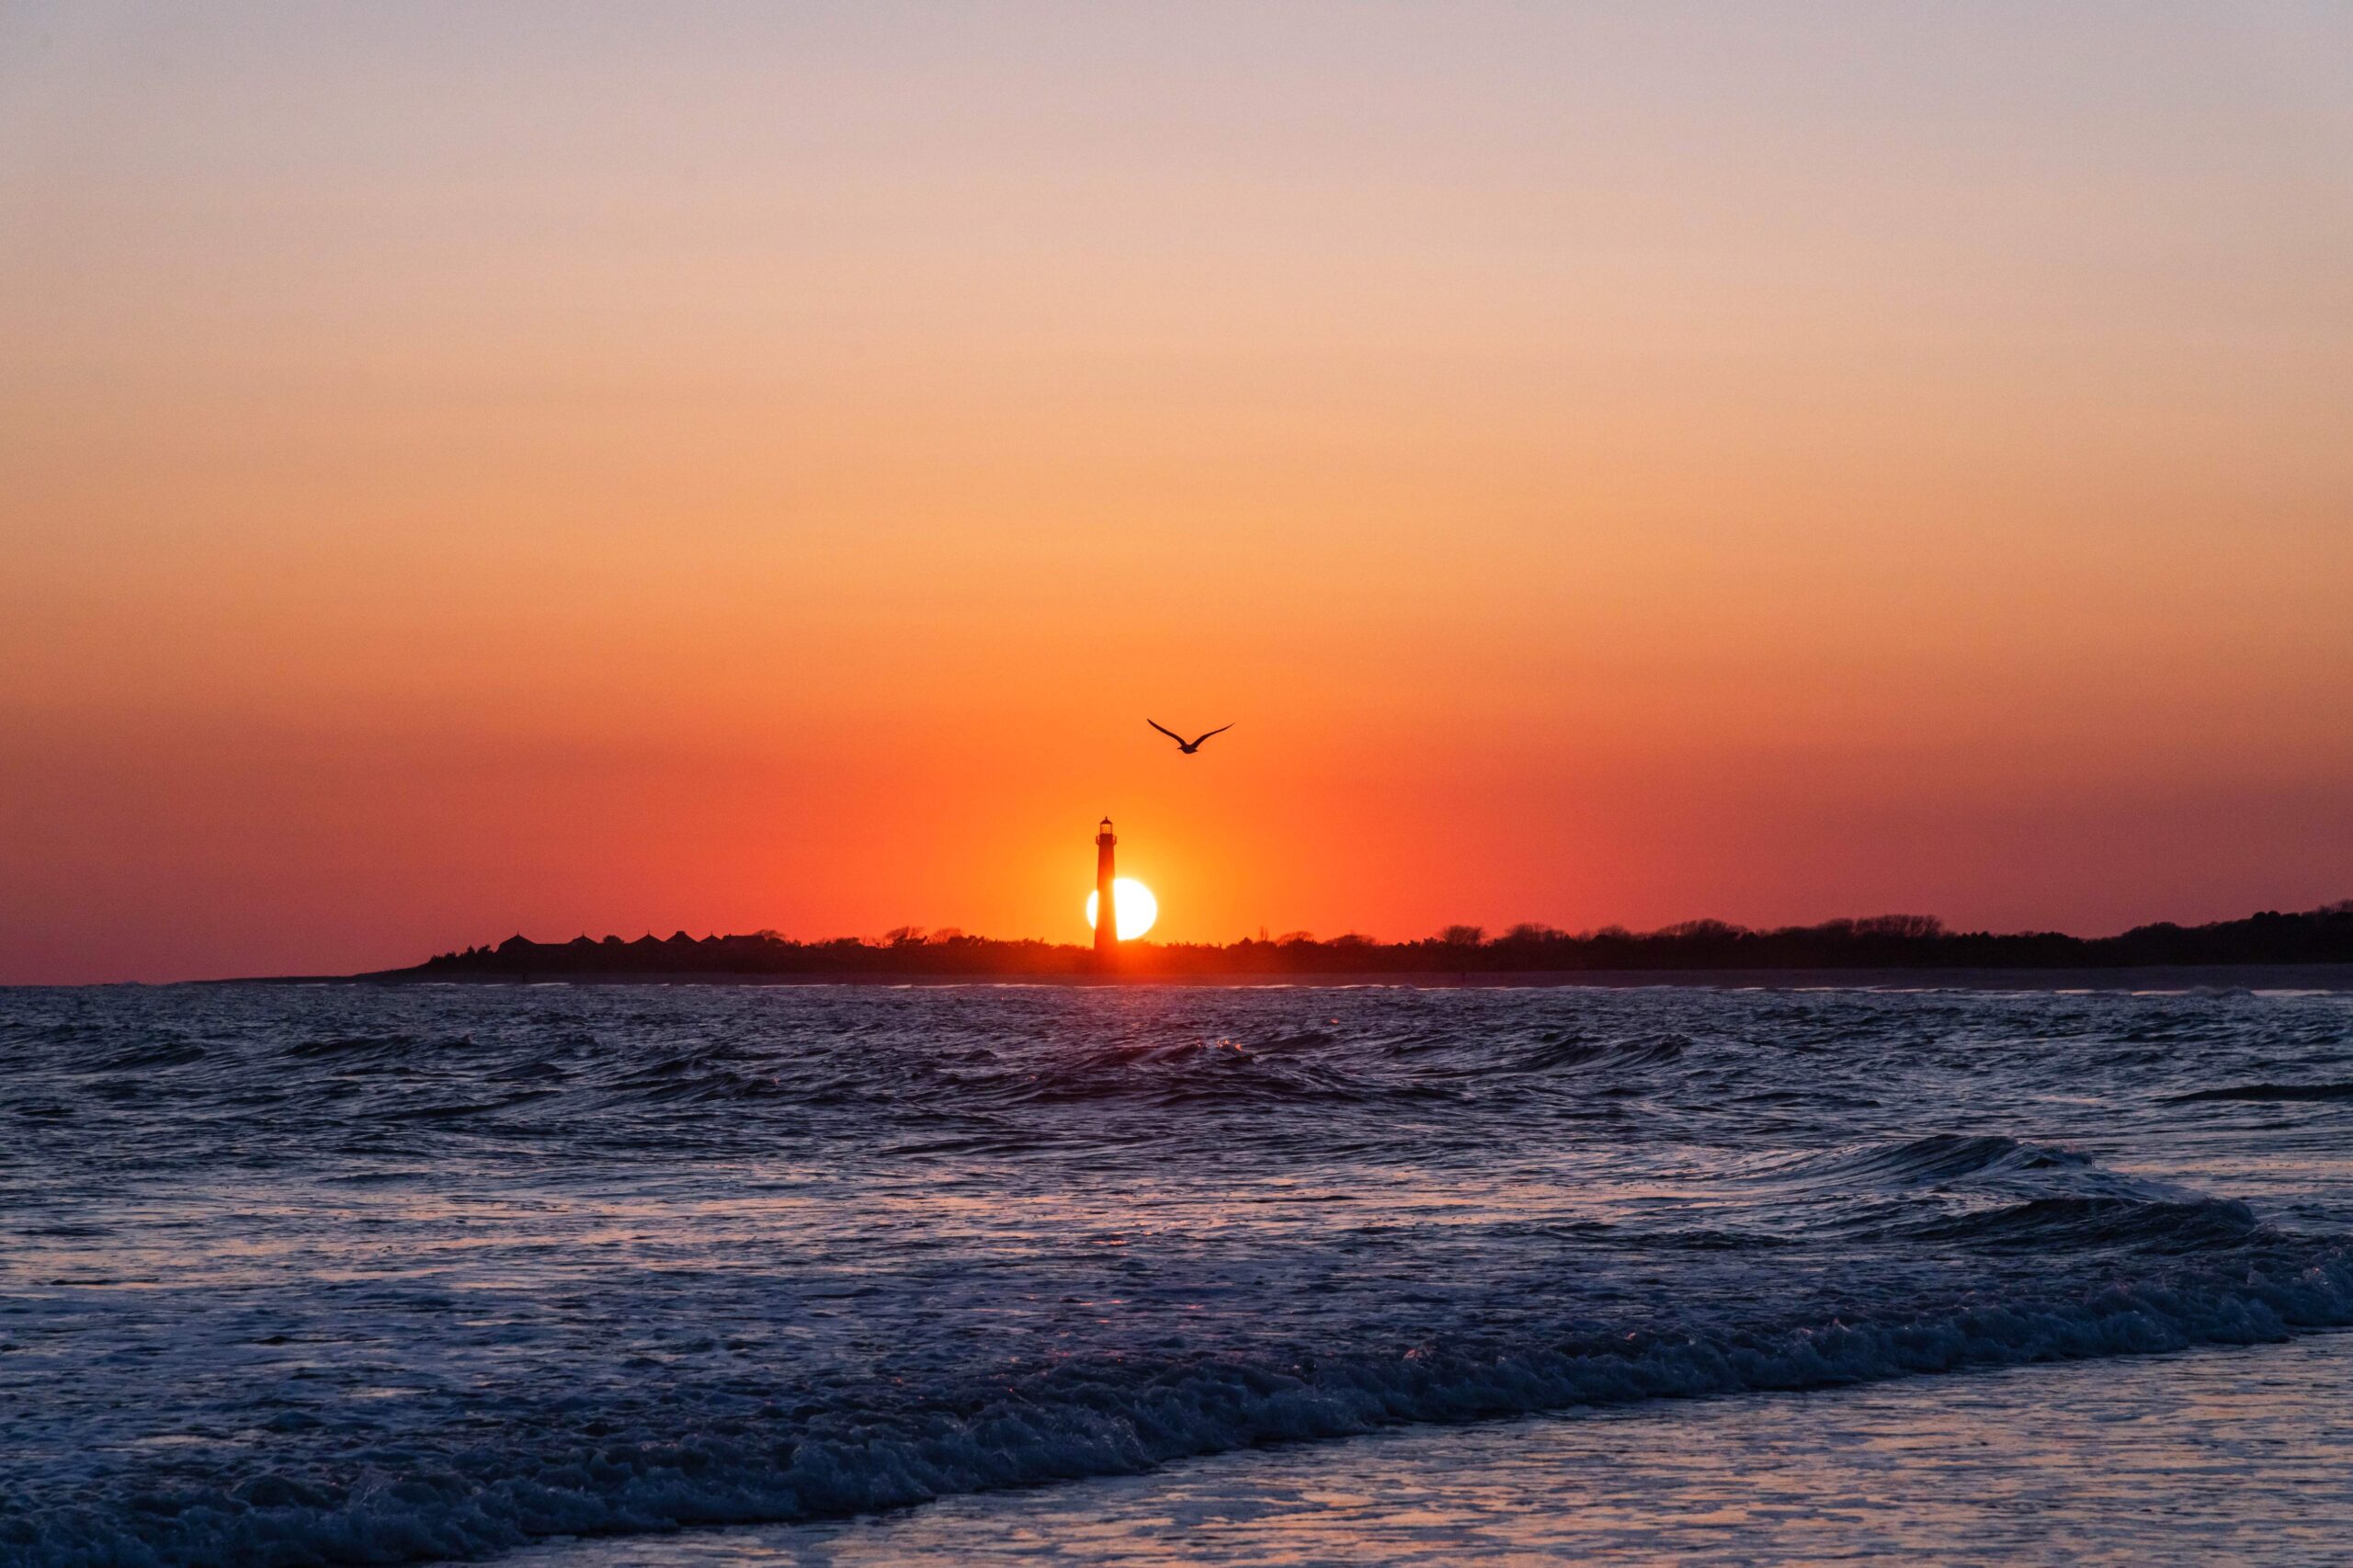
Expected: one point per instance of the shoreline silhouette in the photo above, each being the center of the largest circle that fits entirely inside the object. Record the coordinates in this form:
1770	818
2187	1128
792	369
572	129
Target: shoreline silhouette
2244	951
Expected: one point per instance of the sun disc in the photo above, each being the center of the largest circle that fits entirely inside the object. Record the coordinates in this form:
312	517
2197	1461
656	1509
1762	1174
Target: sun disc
1132	904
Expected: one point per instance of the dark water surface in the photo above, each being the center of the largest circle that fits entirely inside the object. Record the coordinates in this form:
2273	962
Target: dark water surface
341	1273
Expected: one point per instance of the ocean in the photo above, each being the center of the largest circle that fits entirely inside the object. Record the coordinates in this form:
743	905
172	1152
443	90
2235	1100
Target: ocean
695	1275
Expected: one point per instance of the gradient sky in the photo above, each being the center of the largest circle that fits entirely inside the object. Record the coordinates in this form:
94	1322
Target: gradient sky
563	467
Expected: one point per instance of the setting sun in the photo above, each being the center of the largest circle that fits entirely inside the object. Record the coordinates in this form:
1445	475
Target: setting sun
1135	905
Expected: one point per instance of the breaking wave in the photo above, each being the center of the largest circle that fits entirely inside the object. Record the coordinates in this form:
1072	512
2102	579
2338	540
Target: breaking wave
1108	1417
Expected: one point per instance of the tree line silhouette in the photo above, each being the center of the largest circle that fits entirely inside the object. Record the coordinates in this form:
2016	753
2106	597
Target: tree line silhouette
1881	942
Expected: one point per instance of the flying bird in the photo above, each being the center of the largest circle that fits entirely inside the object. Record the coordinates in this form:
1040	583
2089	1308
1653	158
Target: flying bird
1184	746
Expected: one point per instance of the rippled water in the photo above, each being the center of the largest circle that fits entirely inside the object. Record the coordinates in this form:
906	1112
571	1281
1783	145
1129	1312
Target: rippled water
343	1274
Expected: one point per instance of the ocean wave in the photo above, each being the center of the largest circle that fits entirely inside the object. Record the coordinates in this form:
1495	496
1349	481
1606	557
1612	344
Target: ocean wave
1936	1159
1101	1417
2270	1091
1555	1055
152	1056
2095	1222
347	1046
1180	1072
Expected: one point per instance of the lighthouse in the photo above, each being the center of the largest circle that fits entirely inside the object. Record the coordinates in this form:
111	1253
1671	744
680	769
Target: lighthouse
1106	912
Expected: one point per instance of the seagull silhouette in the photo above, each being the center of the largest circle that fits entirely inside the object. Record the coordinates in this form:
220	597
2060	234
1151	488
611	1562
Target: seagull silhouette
1184	746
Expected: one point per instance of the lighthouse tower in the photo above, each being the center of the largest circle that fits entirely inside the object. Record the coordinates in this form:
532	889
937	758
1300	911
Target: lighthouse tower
1106	915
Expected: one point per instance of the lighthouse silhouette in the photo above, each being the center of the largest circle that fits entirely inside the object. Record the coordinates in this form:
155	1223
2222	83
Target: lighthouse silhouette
1107	913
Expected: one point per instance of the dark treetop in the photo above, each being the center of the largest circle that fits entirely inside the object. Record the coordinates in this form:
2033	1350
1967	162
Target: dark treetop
2321	936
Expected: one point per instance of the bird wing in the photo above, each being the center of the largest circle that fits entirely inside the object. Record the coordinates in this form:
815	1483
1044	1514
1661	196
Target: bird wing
1219	731
1169	733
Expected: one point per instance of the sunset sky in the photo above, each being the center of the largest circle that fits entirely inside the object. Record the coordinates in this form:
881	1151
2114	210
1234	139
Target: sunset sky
468	469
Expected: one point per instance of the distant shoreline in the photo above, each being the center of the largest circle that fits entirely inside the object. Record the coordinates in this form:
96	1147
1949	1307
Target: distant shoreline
2313	949
2334	977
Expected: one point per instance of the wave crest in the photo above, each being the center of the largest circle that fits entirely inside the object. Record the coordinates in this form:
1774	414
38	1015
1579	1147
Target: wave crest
1112	1417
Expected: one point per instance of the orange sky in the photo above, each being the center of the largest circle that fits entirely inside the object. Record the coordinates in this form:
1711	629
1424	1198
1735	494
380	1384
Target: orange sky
556	468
